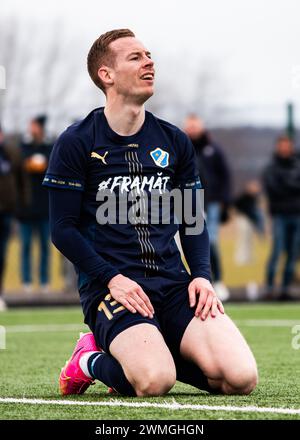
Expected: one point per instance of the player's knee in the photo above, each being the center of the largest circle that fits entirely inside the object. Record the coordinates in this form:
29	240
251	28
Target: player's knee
155	383
243	381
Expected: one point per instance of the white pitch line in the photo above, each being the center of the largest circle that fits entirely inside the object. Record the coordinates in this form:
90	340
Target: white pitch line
44	328
267	322
171	406
79	327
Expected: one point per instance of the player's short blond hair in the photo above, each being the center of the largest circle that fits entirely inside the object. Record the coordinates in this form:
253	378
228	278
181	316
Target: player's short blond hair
100	53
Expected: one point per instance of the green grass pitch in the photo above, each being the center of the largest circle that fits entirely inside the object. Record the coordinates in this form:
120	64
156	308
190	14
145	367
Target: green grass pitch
36	349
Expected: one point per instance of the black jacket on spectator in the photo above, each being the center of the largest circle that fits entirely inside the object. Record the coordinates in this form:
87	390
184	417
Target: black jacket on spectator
35	159
247	204
281	180
213	170
11	182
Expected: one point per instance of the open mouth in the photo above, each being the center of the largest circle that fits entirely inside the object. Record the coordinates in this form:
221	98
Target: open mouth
148	76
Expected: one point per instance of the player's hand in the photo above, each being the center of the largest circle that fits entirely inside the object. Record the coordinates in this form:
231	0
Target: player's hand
130	294
208	301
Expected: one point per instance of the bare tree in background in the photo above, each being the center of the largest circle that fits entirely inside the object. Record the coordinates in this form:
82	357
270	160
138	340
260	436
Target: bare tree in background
210	91
11	59
46	72
182	88
32	55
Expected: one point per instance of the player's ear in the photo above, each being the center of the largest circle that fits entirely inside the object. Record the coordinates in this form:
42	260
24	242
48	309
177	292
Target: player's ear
105	74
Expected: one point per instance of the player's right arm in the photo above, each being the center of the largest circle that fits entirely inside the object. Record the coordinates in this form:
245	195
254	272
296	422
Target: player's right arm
65	179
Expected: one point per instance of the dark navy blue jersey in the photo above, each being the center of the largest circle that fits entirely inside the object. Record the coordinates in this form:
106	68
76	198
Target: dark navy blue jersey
89	157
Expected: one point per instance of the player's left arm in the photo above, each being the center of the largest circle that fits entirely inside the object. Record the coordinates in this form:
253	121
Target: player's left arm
195	246
201	291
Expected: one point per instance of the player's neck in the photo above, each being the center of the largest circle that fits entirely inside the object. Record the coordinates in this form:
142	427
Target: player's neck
124	119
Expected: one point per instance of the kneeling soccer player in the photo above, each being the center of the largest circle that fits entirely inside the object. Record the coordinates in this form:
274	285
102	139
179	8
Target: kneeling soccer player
152	322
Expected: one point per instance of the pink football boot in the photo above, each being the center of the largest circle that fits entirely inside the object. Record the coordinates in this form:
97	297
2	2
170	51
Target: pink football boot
72	379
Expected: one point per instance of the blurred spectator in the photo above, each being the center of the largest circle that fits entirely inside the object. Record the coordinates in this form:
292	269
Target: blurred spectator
249	220
34	212
282	184
10	179
215	176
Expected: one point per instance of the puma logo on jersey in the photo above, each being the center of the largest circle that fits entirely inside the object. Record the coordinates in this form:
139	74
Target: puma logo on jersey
97	156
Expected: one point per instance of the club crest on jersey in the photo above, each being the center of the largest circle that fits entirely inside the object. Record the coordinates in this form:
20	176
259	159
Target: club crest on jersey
160	157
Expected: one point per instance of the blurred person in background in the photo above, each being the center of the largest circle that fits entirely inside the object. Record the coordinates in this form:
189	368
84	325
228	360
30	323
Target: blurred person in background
215	175
249	220
282	184
34	213
10	178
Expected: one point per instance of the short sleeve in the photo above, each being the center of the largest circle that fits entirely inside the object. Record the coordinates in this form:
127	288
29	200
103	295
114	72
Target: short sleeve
67	164
186	174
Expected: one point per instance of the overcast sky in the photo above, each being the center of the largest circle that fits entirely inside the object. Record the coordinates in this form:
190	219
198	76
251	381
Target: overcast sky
254	46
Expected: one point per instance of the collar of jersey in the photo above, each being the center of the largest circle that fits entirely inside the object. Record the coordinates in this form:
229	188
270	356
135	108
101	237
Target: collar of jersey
124	140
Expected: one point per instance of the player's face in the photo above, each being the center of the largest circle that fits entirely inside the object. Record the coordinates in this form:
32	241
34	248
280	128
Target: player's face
133	71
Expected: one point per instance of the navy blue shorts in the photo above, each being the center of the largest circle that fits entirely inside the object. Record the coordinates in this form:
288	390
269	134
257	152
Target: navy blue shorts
172	313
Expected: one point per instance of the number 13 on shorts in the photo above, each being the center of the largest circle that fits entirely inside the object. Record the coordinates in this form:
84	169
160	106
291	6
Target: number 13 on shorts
112	310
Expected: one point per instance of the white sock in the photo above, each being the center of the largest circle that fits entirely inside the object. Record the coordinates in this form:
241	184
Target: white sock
83	361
